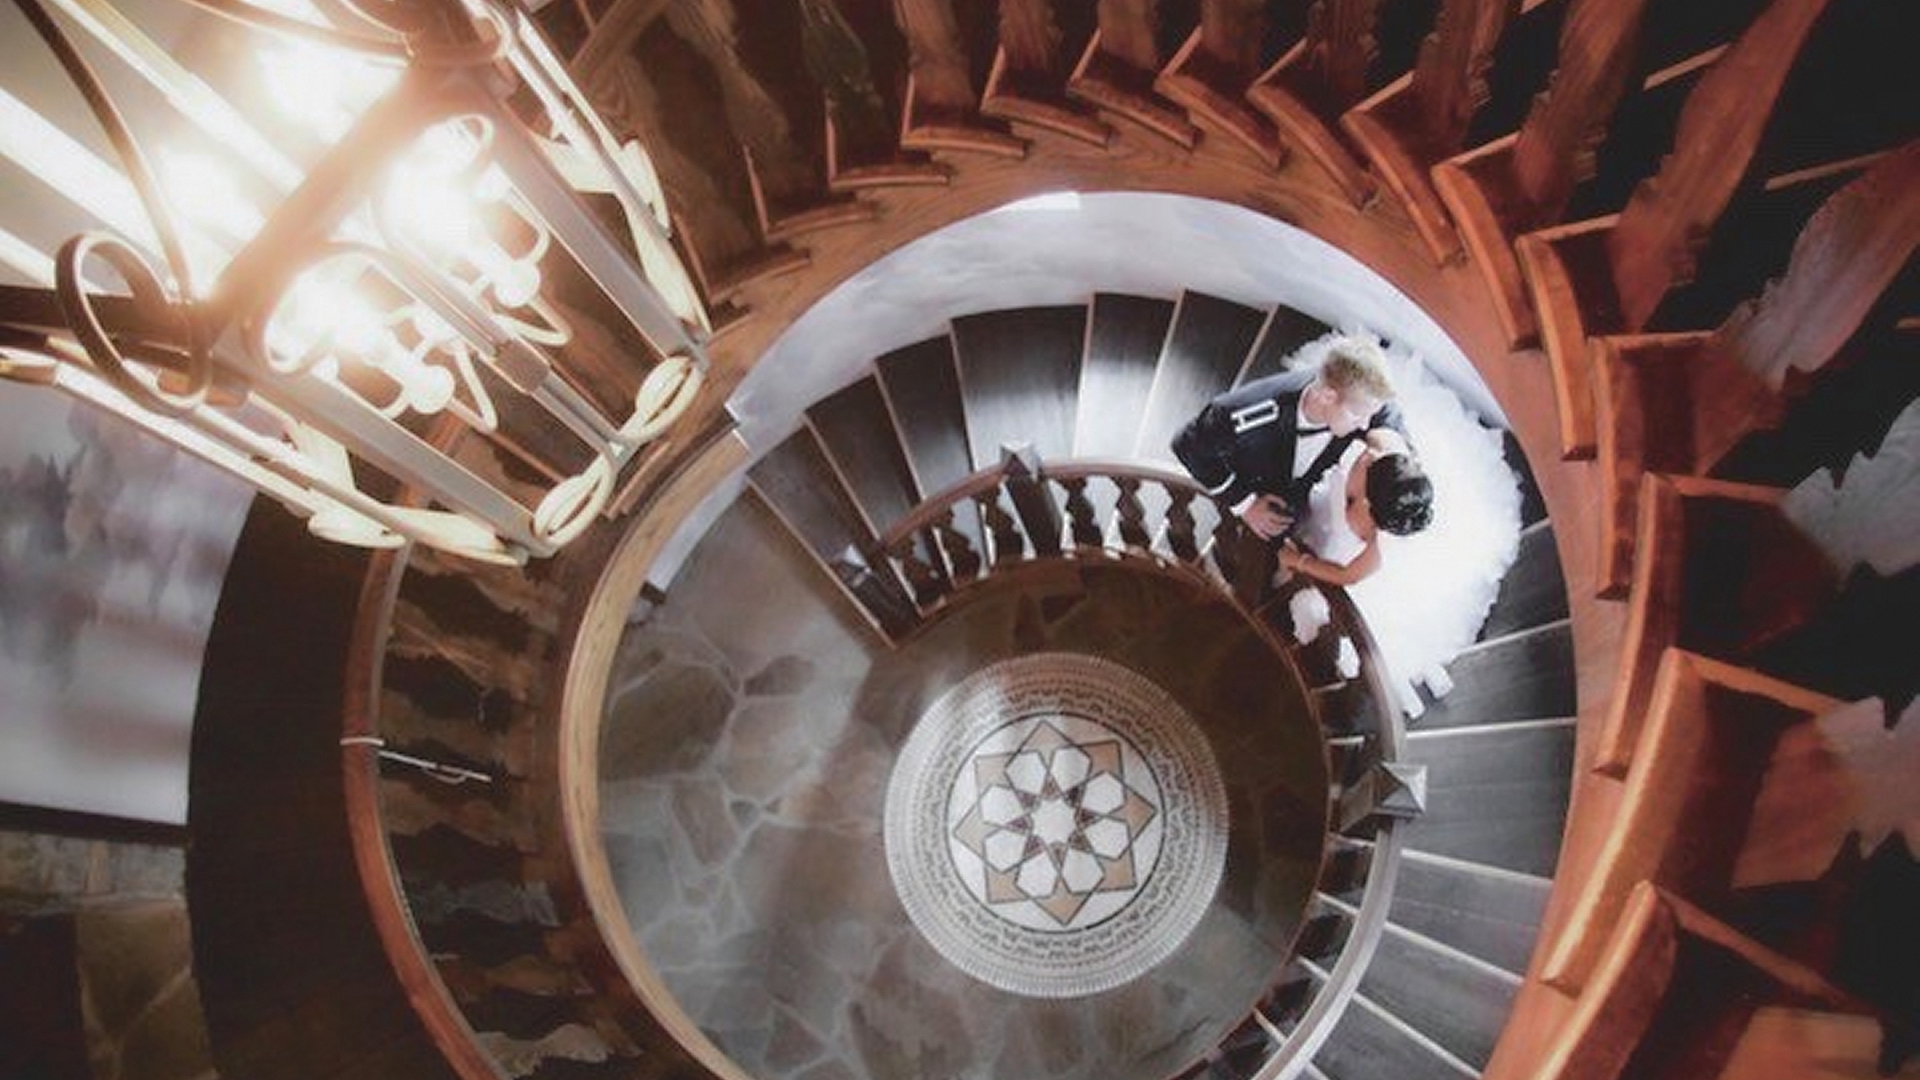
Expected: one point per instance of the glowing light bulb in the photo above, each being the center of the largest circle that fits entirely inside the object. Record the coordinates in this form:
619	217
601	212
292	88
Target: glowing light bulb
205	190
321	88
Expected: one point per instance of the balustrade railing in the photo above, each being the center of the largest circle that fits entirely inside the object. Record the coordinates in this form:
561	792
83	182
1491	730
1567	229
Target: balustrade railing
1031	511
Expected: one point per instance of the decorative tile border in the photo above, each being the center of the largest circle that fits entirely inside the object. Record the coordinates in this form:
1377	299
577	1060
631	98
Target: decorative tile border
1056	825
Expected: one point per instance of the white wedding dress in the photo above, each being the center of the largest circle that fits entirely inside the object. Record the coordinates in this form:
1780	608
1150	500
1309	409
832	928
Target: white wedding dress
1433	589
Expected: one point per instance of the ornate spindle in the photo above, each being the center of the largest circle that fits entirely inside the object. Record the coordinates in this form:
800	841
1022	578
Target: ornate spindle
1223	546
922	578
962	560
1003	529
876	591
1032	499
1180	536
1133	514
1080	519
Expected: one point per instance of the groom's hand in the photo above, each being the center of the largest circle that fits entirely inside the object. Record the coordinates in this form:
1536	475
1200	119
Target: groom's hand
1267	516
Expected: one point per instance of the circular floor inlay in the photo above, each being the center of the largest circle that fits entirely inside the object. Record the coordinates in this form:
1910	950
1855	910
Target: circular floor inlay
1056	825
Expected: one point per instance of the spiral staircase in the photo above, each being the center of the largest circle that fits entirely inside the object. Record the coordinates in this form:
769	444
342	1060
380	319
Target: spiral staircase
1675	240
933	462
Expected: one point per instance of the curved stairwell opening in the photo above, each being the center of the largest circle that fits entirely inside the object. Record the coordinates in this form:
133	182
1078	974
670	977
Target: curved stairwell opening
758	700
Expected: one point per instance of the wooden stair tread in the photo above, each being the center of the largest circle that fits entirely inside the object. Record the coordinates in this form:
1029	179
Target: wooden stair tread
1456	1003
1285	331
854	426
1124	339
1534	592
1366	1046
799	483
1495	917
1528	675
923	391
1495	796
1019	376
1206	348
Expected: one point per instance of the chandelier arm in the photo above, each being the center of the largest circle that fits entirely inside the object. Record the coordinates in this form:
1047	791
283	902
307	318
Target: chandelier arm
150	291
262	18
107	114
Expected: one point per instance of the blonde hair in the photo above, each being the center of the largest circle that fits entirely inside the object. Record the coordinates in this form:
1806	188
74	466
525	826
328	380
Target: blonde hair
1355	367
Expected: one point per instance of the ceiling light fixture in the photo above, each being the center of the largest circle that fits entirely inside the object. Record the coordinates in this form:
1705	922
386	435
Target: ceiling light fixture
394	272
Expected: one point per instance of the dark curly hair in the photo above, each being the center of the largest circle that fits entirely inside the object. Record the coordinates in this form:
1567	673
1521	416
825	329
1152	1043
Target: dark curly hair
1399	495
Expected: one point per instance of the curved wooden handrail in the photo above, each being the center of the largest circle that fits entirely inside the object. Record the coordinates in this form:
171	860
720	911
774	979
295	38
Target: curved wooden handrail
1323	1013
1329	1003
387	905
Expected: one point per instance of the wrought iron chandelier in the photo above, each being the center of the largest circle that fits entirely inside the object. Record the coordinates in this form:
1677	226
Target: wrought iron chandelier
389	267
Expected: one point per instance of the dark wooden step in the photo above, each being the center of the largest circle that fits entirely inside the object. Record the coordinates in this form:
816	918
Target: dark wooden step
1206	348
1485	912
858	434
1495	795
1533	507
923	391
1369	1046
1019	378
1124	339
1285	331
1534	591
797	482
1457	1002
923	394
1526	675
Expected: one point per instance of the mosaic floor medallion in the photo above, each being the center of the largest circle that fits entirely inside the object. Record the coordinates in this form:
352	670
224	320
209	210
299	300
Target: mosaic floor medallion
1056	825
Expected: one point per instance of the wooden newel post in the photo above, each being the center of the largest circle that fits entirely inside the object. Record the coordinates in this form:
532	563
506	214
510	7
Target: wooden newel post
1039	516
1391	789
878	593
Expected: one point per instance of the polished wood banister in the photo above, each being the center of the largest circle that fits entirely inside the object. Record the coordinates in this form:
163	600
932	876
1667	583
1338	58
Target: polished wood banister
387	905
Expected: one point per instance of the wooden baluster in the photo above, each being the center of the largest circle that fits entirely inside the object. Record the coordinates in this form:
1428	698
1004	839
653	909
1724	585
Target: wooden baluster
1322	76
1450	76
1126	32
1523	181
1654	245
1032	500
926	582
1132	514
1230	32
877	592
1210	74
1029	37
1408	128
1080	520
1029	76
1342	48
1554	150
938	56
1851	250
942	105
1180	536
962	561
1116	71
1003	529
1224	548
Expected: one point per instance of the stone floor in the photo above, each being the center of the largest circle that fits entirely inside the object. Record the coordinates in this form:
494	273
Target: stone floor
751	730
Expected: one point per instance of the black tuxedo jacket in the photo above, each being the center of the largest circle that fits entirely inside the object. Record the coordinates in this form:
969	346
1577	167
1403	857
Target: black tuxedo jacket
1242	443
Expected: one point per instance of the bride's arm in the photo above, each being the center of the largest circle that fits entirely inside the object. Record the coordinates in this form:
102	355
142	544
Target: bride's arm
1332	573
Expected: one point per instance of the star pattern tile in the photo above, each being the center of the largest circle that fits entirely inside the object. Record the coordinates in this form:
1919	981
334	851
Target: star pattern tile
1055	823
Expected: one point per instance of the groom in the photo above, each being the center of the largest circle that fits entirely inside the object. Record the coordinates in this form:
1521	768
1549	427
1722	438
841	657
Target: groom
1260	448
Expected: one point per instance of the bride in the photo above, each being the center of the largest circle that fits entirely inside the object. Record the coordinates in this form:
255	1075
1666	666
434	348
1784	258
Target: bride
1419	535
